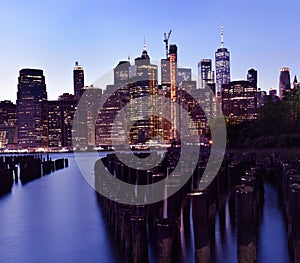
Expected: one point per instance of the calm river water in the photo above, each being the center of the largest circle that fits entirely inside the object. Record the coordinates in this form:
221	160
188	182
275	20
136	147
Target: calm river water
57	219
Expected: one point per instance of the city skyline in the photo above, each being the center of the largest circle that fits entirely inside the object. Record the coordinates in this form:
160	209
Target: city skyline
98	35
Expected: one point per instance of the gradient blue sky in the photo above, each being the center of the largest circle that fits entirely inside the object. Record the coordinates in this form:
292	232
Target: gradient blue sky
51	35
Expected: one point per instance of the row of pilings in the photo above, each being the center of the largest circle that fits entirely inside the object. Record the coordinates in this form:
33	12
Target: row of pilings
287	175
26	168
136	226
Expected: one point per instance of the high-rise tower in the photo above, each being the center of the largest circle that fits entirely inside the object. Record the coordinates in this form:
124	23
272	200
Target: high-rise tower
205	72
252	77
284	82
143	83
222	56
78	79
173	91
32	109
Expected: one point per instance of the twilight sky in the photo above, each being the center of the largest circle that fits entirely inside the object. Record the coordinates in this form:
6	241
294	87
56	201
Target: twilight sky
52	35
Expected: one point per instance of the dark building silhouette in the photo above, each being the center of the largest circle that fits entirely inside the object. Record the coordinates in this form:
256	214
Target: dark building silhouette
222	57
252	76
295	83
261	97
284	82
32	109
78	79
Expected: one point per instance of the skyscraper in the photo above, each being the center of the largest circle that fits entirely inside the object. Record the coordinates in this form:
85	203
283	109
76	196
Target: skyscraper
239	100
60	120
7	123
143	83
173	92
252	77
78	79
184	74
32	109
205	72
284	82
222	56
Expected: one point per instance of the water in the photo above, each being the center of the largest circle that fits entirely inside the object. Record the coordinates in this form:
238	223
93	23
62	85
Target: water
57	219
54	219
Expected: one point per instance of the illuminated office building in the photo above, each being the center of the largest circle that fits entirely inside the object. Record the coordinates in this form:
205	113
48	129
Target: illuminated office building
8	131
239	101
32	109
78	79
205	73
60	120
222	57
145	124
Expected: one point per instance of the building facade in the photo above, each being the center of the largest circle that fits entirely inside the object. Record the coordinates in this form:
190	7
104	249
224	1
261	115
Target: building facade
284	82
32	121
60	120
222	57
205	73
78	79
8	121
239	101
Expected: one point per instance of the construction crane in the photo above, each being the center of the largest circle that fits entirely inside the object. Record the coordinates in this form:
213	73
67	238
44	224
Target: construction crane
166	40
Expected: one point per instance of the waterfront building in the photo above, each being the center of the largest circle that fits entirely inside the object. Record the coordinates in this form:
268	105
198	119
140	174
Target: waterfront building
60	120
8	118
32	121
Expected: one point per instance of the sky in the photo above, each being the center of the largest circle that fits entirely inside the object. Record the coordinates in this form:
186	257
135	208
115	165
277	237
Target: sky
52	35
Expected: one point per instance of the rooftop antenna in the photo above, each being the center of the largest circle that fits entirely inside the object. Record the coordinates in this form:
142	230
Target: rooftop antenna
222	36
166	40
145	47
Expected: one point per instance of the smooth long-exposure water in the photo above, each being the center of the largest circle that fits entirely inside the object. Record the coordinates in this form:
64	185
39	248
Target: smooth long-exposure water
57	219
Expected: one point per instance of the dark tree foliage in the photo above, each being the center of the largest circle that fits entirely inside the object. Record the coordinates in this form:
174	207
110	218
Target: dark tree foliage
277	125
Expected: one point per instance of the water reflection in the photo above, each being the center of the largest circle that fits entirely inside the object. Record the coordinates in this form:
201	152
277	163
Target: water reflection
58	219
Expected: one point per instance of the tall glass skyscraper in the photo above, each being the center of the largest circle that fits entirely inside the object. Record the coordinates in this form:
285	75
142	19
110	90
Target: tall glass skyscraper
78	79
32	109
222	56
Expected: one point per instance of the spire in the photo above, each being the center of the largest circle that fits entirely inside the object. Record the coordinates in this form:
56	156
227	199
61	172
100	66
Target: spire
222	36
295	83
145	52
295	79
145	47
